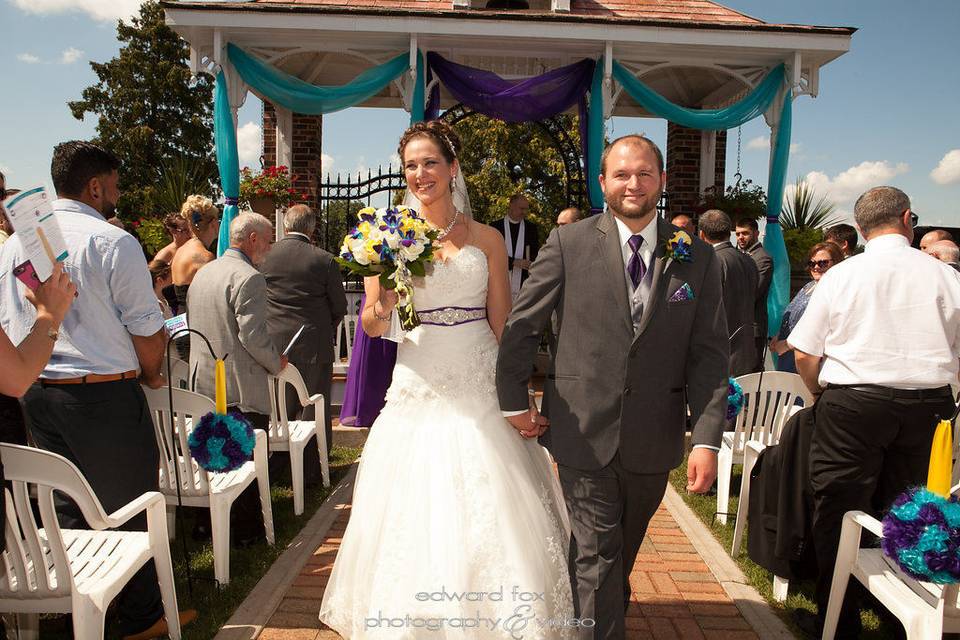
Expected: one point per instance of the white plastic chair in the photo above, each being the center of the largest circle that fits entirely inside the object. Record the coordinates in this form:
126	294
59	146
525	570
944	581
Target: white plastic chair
78	571
198	488
293	435
179	374
346	331
926	610
761	420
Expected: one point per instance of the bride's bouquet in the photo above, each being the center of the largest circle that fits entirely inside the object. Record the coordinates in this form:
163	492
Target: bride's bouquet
394	244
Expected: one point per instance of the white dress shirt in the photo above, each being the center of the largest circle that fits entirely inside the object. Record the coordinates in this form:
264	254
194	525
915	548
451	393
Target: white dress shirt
649	245
115	298
889	316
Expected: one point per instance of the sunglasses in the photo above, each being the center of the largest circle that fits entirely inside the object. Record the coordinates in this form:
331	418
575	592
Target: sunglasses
914	219
819	264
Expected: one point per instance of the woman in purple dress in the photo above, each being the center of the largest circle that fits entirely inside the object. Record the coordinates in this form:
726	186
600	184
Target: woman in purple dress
369	376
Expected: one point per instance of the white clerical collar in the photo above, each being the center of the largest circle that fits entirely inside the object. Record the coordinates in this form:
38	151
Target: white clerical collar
648	233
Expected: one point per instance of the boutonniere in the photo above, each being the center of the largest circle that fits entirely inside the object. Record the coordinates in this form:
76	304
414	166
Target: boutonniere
678	247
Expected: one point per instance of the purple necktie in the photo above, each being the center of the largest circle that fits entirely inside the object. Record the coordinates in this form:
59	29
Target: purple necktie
636	268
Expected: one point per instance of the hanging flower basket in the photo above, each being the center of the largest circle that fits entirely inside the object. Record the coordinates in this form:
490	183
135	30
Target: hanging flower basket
268	190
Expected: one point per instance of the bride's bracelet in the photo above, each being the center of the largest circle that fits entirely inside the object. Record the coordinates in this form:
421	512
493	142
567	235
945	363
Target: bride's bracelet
377	315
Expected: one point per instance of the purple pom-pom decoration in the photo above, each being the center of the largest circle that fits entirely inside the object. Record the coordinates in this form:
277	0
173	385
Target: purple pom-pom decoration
918	536
222	443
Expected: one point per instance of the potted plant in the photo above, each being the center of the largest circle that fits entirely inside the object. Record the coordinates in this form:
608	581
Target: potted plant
269	190
744	200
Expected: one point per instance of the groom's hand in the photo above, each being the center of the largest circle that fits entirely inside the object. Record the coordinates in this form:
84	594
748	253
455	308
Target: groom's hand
530	424
701	470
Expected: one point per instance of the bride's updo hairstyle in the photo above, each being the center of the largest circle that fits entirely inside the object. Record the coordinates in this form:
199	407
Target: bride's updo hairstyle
199	212
439	132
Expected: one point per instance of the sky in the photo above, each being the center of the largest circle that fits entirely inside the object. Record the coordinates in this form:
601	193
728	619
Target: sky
887	111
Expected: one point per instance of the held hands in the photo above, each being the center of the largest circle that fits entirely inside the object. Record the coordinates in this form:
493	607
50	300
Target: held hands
530	424
701	470
54	297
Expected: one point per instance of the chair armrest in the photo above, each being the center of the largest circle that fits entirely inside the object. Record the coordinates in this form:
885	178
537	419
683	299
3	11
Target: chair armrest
864	521
133	508
755	445
315	399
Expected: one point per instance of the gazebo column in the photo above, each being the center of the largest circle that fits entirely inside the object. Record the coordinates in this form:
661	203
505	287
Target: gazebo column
299	149
695	161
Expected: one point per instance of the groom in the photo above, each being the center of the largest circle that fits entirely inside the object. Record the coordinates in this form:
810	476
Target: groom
641	334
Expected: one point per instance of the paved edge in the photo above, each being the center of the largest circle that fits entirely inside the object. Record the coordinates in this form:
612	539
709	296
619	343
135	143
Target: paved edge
248	621
756	611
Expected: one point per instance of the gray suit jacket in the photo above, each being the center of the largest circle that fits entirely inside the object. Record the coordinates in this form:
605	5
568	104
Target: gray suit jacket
738	277
765	265
227	302
609	387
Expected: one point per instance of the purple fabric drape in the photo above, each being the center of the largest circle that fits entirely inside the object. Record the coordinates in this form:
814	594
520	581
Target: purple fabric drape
524	100
369	376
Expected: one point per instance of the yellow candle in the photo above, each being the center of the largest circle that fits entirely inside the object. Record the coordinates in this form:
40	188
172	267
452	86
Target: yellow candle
941	460
220	385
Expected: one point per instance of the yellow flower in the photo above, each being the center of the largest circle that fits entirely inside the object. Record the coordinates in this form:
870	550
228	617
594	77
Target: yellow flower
364	228
680	236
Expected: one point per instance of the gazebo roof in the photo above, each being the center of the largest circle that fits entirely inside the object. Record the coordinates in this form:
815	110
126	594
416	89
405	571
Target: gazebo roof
696	53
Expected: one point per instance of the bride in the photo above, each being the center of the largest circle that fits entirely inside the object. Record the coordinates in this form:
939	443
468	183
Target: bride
458	528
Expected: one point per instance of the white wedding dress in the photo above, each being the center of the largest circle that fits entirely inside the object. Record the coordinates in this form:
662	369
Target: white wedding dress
458	527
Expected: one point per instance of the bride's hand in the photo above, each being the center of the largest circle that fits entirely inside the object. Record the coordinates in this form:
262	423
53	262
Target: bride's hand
388	300
530	424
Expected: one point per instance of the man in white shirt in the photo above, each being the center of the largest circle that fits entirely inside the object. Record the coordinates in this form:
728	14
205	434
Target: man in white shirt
879	343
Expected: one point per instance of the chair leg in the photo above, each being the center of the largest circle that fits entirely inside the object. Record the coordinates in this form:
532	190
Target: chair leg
296	473
220	531
724	472
171	522
324	448
28	627
847	552
168	590
263	484
88	619
780	587
749	461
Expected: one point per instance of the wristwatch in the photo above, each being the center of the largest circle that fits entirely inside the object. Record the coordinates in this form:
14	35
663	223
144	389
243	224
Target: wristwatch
53	335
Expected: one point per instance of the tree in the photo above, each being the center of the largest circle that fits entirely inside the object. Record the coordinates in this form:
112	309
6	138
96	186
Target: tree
803	210
149	115
501	159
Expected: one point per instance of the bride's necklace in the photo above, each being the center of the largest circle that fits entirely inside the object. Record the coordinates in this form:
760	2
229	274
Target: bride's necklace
446	230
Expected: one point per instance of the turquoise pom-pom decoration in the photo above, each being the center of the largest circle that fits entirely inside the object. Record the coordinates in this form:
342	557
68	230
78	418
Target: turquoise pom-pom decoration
734	399
222	442
921	534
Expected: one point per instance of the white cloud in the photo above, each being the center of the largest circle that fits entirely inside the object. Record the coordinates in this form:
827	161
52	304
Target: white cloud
249	145
326	164
29	58
846	186
948	171
70	55
762	143
103	10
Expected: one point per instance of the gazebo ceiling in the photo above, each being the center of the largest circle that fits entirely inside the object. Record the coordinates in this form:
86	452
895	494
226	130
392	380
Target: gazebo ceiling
696	53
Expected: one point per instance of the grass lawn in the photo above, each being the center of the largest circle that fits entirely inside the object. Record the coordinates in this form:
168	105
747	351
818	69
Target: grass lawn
247	565
800	595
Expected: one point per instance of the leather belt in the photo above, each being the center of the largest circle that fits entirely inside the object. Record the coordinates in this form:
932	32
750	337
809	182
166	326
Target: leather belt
92	378
937	393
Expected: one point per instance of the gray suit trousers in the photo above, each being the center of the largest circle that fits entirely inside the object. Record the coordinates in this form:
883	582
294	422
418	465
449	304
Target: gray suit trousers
609	512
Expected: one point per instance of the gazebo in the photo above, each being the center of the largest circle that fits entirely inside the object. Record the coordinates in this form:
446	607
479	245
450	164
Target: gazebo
693	62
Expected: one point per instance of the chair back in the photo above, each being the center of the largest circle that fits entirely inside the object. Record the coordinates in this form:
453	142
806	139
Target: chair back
36	561
179	374
279	425
766	409
175	456
346	333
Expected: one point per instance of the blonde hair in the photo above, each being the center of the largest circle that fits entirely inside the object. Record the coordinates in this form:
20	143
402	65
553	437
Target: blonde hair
199	212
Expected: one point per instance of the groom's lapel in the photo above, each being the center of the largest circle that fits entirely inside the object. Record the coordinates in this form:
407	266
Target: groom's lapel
660	264
611	255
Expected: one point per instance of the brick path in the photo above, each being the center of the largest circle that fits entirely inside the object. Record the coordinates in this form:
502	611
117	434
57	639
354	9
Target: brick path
675	594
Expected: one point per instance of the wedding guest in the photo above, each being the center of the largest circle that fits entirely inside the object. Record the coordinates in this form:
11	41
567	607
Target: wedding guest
179	230
88	405
685	222
228	304
568	216
160	274
521	239
934	236
880	352
305	289
844	236
820	259
945	251
738	281
748	240
368	377
203	220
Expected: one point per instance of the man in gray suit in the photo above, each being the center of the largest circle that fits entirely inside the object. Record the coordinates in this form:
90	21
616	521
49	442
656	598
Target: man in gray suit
305	289
748	241
739	279
642	334
227	302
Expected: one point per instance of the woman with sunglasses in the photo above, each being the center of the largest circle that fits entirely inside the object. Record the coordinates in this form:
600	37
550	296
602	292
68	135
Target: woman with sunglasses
822	256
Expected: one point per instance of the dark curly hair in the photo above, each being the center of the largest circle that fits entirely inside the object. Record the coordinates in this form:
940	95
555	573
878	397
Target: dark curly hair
439	132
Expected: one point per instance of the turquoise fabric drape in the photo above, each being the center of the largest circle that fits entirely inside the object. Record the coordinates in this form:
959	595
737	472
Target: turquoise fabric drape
419	92
754	104
298	96
225	137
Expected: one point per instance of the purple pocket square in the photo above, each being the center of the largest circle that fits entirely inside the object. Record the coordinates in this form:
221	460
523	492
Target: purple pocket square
682	294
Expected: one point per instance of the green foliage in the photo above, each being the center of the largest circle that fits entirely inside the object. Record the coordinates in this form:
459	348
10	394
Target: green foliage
148	113
180	177
805	210
501	159
799	242
334	221
152	234
744	200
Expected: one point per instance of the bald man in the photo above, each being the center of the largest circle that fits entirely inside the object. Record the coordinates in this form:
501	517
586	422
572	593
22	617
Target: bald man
934	236
945	251
568	216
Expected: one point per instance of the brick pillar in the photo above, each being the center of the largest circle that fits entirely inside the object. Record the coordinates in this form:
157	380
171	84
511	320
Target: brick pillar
683	167
307	136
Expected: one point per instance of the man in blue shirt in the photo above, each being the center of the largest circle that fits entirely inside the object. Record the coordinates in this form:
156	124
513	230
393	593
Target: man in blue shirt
88	405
